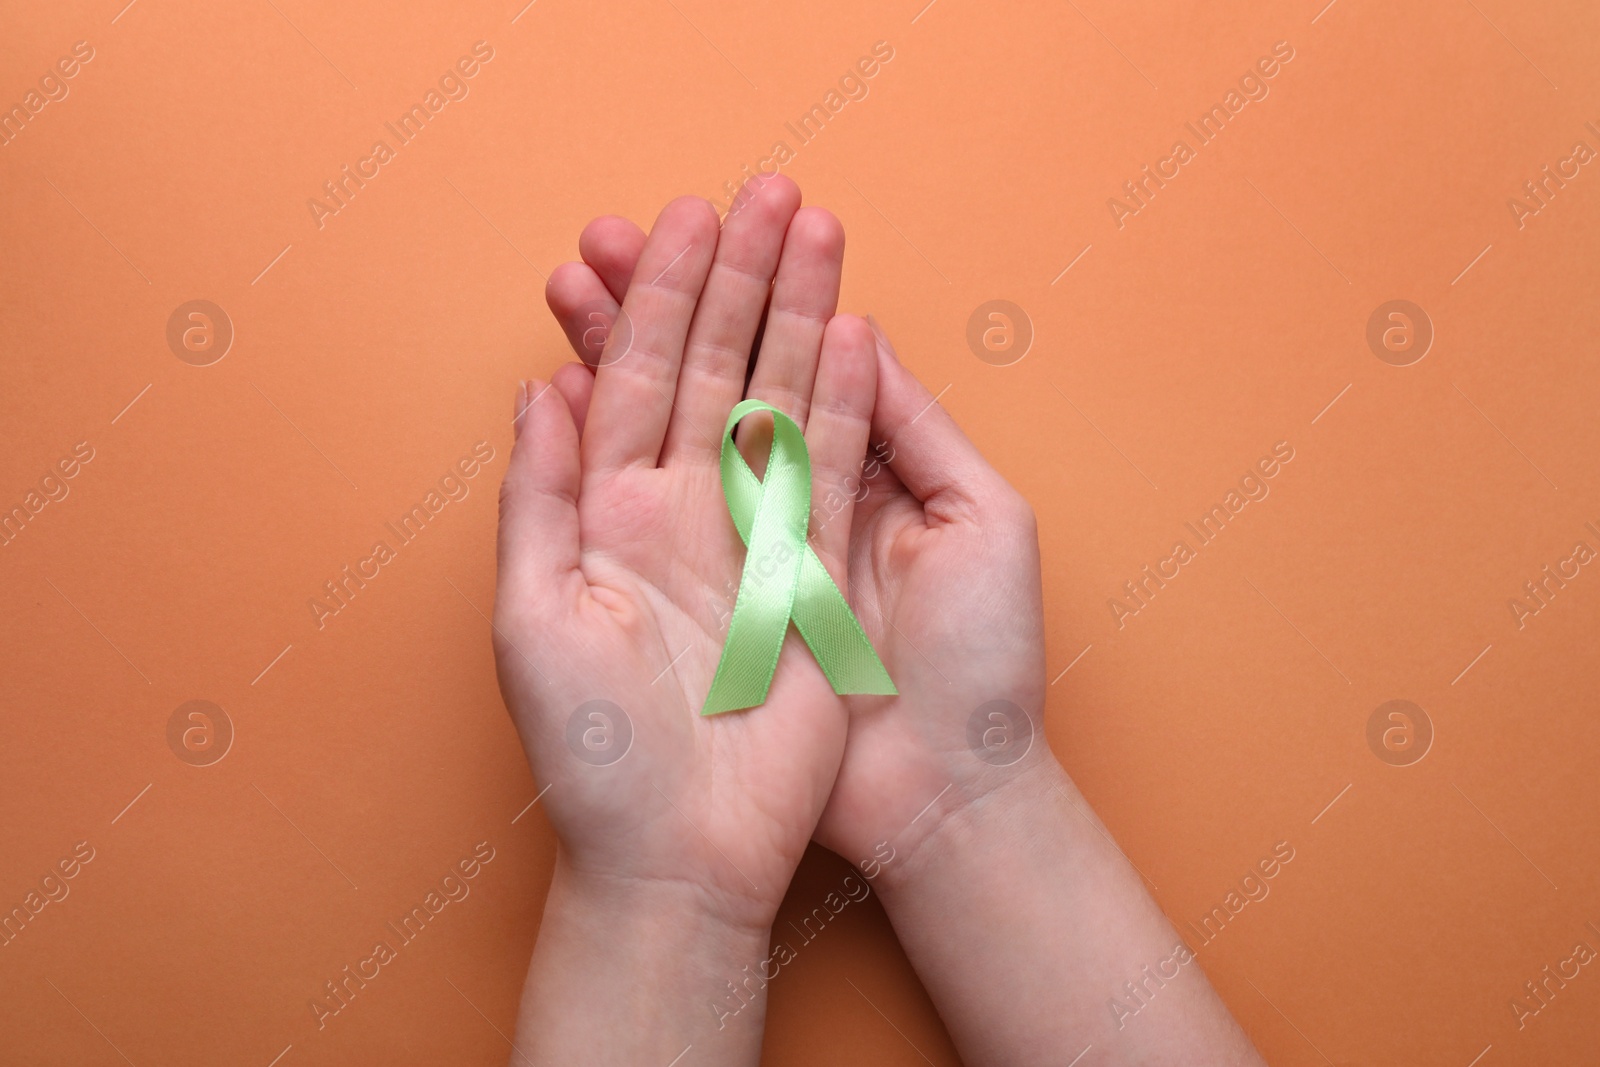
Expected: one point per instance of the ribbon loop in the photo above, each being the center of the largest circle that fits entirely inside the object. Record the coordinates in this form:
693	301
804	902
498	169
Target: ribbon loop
782	579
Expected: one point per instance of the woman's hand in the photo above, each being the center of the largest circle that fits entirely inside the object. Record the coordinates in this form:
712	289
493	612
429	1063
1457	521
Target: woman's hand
944	567
618	569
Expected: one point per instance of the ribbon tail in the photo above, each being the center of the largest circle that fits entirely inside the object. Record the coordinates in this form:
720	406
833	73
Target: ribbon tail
830	628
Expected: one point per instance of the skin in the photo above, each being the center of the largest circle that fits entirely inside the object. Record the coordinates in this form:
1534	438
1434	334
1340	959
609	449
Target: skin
1021	917
617	562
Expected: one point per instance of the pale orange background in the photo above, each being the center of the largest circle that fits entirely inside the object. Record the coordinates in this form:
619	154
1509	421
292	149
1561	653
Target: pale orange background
1177	350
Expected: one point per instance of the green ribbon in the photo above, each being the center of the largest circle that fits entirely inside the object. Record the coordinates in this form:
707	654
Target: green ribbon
783	579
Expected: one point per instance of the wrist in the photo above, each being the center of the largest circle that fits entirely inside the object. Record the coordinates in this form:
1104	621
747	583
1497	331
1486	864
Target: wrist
1017	903
994	818
659	954
598	892
657	928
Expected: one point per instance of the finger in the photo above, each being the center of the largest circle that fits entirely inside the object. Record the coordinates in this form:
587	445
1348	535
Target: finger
638	374
583	307
926	449
735	295
575	383
804	297
610	245
538	540
836	435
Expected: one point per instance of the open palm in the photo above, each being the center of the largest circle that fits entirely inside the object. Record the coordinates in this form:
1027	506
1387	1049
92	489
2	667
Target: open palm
944	568
619	563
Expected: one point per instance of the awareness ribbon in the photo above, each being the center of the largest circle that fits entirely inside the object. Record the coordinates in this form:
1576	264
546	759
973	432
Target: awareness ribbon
783	579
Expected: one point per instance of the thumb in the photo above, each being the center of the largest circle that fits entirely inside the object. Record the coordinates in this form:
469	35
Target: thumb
538	541
929	453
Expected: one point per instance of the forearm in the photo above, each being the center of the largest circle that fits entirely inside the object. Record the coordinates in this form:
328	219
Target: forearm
625	973
1026	925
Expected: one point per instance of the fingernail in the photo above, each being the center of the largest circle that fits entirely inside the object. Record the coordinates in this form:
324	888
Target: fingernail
524	399
883	339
